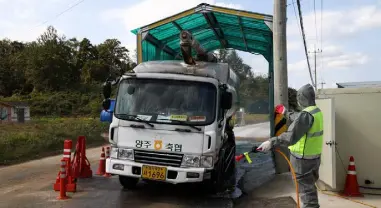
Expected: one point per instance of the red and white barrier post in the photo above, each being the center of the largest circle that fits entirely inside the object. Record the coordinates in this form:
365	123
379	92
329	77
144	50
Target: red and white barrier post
107	175
63	175
71	185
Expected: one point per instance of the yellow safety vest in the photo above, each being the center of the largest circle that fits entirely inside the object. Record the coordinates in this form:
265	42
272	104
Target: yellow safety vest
311	144
232	121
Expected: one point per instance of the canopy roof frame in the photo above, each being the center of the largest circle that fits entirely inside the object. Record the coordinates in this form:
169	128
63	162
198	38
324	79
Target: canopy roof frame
215	28
255	29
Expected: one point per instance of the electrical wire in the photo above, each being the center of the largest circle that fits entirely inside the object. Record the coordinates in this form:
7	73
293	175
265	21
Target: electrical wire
321	25
293	3
61	13
316	30
321	39
372	188
344	197
323	192
343	166
297	186
296	17
304	41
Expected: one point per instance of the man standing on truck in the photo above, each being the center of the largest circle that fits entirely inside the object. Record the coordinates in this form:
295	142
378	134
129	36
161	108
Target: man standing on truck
304	138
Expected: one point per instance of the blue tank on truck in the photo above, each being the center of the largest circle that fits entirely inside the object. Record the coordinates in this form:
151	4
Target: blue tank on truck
106	115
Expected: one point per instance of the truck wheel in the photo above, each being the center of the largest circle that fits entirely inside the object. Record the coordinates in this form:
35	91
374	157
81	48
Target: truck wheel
230	173
218	175
128	182
215	184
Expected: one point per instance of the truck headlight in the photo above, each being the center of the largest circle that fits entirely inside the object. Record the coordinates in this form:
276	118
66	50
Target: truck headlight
126	154
207	161
114	153
191	161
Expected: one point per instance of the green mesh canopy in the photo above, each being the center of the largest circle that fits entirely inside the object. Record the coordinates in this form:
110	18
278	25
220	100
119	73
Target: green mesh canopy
214	27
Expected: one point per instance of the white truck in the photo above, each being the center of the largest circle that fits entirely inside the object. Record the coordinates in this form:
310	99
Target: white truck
171	121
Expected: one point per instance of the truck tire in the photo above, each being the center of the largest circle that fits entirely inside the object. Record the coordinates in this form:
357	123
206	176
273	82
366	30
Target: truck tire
231	140
216	182
221	180
128	182
230	173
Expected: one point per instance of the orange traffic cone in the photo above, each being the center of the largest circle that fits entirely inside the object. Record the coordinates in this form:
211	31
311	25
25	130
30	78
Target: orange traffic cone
351	185
56	186
102	164
107	175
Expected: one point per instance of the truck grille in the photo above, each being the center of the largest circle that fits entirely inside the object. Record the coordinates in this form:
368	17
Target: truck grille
158	158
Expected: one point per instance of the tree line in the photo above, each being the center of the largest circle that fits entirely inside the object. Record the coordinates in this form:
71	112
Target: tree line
253	88
57	75
55	63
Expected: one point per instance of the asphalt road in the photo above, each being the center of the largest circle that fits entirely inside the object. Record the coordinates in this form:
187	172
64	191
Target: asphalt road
255	131
30	184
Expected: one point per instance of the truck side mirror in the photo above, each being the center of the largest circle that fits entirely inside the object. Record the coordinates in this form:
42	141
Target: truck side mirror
107	89
227	100
106	104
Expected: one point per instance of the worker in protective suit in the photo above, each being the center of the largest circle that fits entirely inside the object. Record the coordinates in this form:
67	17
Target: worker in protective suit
304	139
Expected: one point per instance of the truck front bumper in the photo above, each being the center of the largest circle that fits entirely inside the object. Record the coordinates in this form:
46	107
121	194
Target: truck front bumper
174	174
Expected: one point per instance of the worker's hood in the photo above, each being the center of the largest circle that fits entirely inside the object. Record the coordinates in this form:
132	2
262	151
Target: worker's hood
306	96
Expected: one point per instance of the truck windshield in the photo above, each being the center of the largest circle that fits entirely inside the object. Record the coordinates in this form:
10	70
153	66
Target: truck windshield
167	101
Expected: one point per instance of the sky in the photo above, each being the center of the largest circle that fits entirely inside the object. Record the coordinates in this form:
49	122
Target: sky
346	31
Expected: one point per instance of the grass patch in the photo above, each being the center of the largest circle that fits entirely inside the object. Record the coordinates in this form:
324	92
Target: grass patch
44	137
256	118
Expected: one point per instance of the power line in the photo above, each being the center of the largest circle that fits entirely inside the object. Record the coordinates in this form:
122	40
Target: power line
304	40
315	71
322	83
321	40
316	30
321	24
61	13
296	17
291	3
321	32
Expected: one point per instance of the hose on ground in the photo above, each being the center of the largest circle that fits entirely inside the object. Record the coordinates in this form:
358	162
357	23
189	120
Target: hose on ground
344	197
293	176
297	186
324	192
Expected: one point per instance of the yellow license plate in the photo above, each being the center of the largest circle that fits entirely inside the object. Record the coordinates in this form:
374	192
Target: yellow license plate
154	173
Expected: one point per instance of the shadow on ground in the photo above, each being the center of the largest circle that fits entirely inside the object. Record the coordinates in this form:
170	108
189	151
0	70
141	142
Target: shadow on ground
106	192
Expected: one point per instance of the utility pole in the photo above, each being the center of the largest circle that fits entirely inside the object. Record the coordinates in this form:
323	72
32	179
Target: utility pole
322	84
280	69
315	52
280	53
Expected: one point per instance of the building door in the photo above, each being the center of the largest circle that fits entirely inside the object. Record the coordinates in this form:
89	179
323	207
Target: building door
328	158
20	115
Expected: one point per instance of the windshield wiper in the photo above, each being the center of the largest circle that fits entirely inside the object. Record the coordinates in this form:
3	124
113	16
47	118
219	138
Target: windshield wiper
136	118
181	123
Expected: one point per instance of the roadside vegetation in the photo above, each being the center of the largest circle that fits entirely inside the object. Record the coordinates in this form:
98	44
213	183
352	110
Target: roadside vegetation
44	137
61	78
256	118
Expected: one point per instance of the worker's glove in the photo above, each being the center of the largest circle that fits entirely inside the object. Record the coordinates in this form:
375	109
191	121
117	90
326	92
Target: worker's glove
265	146
280	109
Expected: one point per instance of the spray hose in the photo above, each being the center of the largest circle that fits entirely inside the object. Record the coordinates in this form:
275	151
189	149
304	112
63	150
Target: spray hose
256	150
